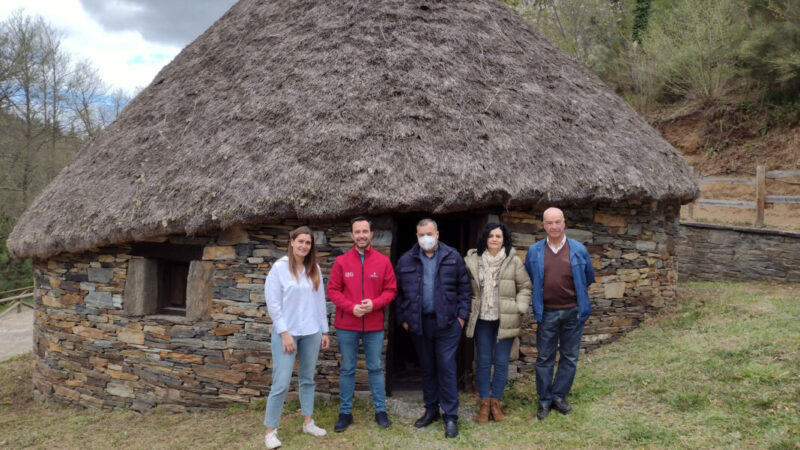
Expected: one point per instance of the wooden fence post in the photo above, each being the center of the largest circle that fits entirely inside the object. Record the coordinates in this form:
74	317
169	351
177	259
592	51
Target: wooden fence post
761	194
690	206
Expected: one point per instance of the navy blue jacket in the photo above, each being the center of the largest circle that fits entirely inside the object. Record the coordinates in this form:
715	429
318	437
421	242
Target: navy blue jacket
452	289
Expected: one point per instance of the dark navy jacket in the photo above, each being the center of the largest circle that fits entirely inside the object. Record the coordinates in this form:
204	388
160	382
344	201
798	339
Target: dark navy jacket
452	289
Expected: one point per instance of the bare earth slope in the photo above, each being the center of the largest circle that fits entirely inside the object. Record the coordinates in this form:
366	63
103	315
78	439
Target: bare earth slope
778	149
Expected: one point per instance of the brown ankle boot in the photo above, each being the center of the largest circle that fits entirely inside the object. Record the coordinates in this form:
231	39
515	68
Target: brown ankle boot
483	411
497	413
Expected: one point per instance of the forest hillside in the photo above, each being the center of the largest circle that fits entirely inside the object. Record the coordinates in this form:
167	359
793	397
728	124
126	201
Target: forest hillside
720	79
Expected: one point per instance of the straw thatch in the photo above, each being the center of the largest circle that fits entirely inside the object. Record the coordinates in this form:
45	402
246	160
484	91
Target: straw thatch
324	108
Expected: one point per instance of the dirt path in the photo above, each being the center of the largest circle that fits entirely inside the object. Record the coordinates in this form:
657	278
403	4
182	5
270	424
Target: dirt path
16	334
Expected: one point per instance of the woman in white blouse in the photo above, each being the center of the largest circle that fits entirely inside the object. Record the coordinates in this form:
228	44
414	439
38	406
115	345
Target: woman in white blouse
296	302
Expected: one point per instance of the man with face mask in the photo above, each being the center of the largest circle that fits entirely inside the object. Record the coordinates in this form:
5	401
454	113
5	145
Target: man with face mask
433	303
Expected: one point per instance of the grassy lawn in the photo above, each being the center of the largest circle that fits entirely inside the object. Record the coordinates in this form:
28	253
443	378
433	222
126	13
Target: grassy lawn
722	370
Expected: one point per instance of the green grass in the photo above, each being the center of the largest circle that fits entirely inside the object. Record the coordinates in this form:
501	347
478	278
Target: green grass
721	370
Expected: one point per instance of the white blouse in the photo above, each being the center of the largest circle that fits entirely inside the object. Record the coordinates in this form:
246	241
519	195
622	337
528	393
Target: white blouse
295	306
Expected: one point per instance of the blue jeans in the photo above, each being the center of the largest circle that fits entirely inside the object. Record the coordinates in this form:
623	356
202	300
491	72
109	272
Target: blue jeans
373	349
306	350
491	352
436	349
559	330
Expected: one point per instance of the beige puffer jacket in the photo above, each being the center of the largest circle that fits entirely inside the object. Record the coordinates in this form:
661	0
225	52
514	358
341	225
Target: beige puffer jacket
514	293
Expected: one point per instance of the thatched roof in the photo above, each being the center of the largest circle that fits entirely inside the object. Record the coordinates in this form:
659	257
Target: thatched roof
317	109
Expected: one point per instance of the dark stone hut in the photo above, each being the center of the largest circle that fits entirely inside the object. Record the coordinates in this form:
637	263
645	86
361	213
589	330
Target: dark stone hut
151	247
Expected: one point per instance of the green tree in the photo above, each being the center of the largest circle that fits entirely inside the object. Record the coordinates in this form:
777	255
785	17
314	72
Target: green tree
641	11
13	274
591	31
770	55
689	48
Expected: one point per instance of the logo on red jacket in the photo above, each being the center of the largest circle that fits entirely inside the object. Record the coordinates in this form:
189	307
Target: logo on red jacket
349	274
374	275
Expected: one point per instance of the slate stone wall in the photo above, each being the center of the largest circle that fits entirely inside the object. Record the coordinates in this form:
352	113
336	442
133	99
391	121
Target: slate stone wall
89	353
717	252
632	246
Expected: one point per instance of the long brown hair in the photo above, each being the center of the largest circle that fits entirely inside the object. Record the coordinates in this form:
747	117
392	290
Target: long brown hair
309	262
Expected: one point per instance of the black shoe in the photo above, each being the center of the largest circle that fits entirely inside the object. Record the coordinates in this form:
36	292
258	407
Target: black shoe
561	405
542	412
345	420
428	418
383	419
450	428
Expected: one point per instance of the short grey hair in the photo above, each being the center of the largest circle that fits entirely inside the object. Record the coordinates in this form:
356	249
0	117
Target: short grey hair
553	208
427	221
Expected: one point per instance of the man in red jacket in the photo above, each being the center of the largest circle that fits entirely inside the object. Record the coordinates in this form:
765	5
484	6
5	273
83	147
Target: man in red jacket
361	285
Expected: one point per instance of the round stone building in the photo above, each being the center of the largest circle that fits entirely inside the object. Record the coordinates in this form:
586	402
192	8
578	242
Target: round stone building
151	247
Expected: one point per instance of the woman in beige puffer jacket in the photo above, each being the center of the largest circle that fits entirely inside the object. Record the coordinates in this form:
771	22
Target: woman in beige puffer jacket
501	293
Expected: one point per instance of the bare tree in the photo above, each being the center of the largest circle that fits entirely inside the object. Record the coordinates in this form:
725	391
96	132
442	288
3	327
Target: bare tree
7	68
118	101
87	93
589	30
48	107
55	69
25	42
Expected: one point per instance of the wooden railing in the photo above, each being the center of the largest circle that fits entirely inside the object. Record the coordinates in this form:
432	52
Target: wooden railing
761	198
17	296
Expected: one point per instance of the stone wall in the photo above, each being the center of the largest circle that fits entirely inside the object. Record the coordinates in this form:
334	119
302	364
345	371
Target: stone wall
717	252
89	352
632	246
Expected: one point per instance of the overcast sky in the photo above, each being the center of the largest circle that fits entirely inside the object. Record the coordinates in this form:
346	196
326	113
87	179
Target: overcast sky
127	40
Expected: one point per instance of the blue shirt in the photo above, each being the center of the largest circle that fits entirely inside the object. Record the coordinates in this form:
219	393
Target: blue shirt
428	279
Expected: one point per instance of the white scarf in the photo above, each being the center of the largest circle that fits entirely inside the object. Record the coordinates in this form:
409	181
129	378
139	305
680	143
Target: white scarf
489	274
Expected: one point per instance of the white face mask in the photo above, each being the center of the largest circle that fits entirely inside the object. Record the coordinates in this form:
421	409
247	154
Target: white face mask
427	243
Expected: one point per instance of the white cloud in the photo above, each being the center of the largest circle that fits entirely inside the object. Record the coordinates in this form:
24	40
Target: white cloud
124	58
173	22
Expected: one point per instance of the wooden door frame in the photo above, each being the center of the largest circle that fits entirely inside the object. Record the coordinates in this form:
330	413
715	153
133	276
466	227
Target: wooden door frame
473	222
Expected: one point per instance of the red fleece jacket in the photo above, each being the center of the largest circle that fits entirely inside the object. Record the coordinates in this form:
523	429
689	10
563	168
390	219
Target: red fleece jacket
350	282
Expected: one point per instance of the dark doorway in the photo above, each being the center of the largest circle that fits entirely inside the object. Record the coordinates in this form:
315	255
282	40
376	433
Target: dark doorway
459	231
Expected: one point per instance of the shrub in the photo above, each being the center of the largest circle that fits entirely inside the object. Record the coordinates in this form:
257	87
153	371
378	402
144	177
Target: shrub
689	48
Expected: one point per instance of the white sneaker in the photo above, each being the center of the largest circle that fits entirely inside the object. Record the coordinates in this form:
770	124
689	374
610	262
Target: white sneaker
271	440
313	429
